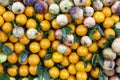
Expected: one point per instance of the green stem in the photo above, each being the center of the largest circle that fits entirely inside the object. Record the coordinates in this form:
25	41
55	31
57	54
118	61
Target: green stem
14	24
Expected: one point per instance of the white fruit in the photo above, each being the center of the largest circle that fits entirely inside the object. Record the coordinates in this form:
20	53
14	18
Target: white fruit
31	33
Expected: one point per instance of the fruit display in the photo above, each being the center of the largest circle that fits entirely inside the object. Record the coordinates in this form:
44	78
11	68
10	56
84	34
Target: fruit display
59	40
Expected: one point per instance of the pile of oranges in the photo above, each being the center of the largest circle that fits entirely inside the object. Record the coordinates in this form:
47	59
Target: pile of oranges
39	58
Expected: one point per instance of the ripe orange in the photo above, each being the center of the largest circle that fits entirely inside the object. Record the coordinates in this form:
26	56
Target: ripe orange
48	63
97	35
82	51
99	16
80	66
57	57
64	74
55	25
7	27
71	69
24	40
39	36
45	43
72	27
54	72
95	72
1	21
88	68
31	23
81	30
42	53
21	19
74	46
115	18
8	16
107	11
33	59
65	61
2	10
48	16
73	58
109	32
1	69
81	75
13	71
13	39
55	44
51	35
39	16
33	70
3	36
12	58
71	77
79	21
93	47
23	70
108	22
19	47
45	25
29	11
34	47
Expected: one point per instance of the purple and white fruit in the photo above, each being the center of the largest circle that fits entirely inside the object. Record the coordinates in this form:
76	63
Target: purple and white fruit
88	11
89	22
18	32
69	40
86	41
54	9
31	33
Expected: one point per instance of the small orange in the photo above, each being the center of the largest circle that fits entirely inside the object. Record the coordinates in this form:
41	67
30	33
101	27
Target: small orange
109	32
79	21
107	11
65	61
108	23
29	11
55	44
81	75
71	77
33	70
81	30
80	66
34	47
93	47
99	16
12	58
74	46
33	59
71	69
96	35
11	45
2	10
73	58
8	16
19	47
13	71
69	50
72	27
48	16
45	25
88	68
3	36
21	19
88	3
51	35
1	21
42	53
48	63
115	18
22	63
31	23
69	18
82	51
95	72
39	16
39	36
24	40
89	56
7	27
55	25
57	57
23	70
64	74
101	42
54	72
45	43
1	69
13	39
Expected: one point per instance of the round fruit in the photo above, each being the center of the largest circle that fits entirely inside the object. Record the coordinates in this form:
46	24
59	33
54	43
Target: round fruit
95	72
34	47
33	70
71	69
33	59
99	17
13	71
23	70
48	63
21	19
81	75
81	30
12	58
64	74
57	57
73	58
82	51
8	16
54	72
45	43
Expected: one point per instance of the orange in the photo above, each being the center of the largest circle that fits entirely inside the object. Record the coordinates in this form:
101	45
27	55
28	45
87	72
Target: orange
12	58
33	59
39	36
115	18
48	63
71	69
88	3
3	36
55	44
11	45
48	16
33	70
29	11
72	27
34	47
45	25
101	42
65	61
81	30
22	63
89	56
7	27
107	11
21	19
51	35
31	23
42	53
82	51
8	16
39	16
81	75
71	77
13	71
109	32
2	10
88	68
55	25
95	72
1	69
54	72
79	21
45	43
64	74
23	70
108	23
69	18
93	47
19	47
1	21
80	66
73	58
96	35
99	17
24	40
13	39
74	46
67	52
57	57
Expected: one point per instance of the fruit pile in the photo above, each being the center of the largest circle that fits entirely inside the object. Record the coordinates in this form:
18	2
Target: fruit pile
59	40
